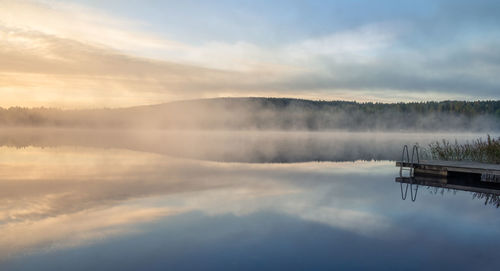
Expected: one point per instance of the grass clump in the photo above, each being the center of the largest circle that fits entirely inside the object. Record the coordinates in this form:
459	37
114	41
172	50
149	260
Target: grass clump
479	150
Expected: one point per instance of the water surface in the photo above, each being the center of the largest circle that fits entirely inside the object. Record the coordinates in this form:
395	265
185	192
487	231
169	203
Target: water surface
265	201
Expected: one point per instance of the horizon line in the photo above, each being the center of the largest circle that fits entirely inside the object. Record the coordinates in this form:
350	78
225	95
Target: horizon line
245	97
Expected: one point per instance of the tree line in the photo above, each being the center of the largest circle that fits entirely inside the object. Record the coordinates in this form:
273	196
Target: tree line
271	113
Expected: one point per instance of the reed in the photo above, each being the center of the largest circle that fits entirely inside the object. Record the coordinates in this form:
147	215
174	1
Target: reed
479	150
489	199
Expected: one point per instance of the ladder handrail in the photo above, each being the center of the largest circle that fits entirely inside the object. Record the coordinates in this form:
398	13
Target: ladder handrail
413	151
405	147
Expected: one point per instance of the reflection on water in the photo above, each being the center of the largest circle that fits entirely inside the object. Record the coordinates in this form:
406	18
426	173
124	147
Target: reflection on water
235	146
94	207
489	192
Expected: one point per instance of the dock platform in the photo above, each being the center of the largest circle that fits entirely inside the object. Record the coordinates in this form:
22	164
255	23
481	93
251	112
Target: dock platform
443	168
483	172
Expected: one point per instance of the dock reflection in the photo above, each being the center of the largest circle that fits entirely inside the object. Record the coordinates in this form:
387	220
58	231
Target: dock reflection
482	190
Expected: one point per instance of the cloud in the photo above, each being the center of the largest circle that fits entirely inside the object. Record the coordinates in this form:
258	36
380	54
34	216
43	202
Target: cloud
78	22
350	45
69	55
465	70
35	64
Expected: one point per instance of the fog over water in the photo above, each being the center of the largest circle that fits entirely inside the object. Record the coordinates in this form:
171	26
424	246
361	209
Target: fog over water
270	114
237	146
185	200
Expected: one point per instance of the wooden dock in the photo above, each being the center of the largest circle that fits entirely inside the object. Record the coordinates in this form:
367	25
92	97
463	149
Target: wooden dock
487	172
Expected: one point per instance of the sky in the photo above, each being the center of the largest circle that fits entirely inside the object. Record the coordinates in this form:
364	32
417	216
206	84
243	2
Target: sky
92	54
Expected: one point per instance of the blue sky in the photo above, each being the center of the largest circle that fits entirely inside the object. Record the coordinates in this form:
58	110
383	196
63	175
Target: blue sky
143	52
263	22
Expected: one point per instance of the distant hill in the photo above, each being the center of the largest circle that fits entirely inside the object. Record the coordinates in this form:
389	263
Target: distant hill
271	114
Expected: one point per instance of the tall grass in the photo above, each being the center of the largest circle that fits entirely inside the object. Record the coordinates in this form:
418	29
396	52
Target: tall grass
479	150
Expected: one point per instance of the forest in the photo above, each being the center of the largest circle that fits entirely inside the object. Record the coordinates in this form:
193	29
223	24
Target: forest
269	114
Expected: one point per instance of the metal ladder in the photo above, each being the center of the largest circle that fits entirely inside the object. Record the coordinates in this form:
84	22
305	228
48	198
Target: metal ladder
414	151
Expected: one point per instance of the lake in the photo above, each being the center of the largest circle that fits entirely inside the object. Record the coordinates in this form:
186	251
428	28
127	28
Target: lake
150	200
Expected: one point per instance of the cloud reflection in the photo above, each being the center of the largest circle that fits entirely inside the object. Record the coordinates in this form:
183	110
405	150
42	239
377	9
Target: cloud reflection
69	196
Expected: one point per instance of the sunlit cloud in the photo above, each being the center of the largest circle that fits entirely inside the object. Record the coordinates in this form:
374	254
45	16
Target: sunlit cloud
70	55
78	22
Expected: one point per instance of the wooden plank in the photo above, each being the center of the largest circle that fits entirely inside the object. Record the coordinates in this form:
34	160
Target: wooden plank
455	166
431	172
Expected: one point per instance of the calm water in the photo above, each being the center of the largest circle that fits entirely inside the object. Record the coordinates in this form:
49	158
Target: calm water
161	201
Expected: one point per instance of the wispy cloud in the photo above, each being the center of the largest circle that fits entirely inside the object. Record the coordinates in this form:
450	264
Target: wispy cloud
78	22
71	55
